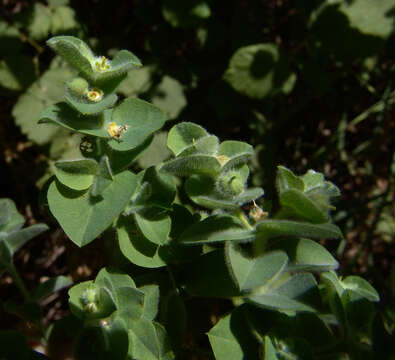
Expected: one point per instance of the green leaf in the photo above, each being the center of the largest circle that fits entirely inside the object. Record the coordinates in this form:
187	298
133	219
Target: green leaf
162	188
82	295
279	228
209	276
361	287
193	164
203	191
16	72
258	70
5	211
11	42
151	301
130	303
156	153
108	340
137	81
76	174
149	341
269	350
370	17
292	293
17	239
141	119
216	228
75	51
39	21
96	69
287	180
48	89
184	135
231	339
63	115
155	229
83	105
113	279
235	152
306	255
121	160
252	272
351	283
169	97
11	220
299	204
63	20
50	286
205	145
188	14
84	217
104	177
136	248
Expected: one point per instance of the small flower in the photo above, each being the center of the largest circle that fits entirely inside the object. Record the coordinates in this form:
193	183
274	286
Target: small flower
95	94
115	130
102	64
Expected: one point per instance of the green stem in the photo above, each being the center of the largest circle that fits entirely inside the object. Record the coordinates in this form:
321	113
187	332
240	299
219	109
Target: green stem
19	283
243	219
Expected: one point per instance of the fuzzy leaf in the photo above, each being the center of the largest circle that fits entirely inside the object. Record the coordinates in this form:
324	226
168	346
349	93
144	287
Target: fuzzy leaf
76	174
236	152
287	180
155	229
230	338
17	239
293	293
306	255
300	205
75	51
149	341
84	217
194	164
63	115
253	272
279	228
184	135
216	228
136	248
142	120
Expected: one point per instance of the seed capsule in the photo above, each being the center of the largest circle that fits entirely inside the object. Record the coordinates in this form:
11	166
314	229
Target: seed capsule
78	87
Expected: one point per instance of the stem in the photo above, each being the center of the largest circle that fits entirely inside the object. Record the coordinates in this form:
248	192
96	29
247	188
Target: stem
19	282
243	219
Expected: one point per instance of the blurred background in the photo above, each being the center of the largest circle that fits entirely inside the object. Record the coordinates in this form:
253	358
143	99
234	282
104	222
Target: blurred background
309	83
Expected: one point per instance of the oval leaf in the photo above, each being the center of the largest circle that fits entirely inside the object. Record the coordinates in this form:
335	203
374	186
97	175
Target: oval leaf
84	217
76	174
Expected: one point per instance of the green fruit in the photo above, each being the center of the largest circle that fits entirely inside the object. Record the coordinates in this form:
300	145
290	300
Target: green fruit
231	183
78	87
